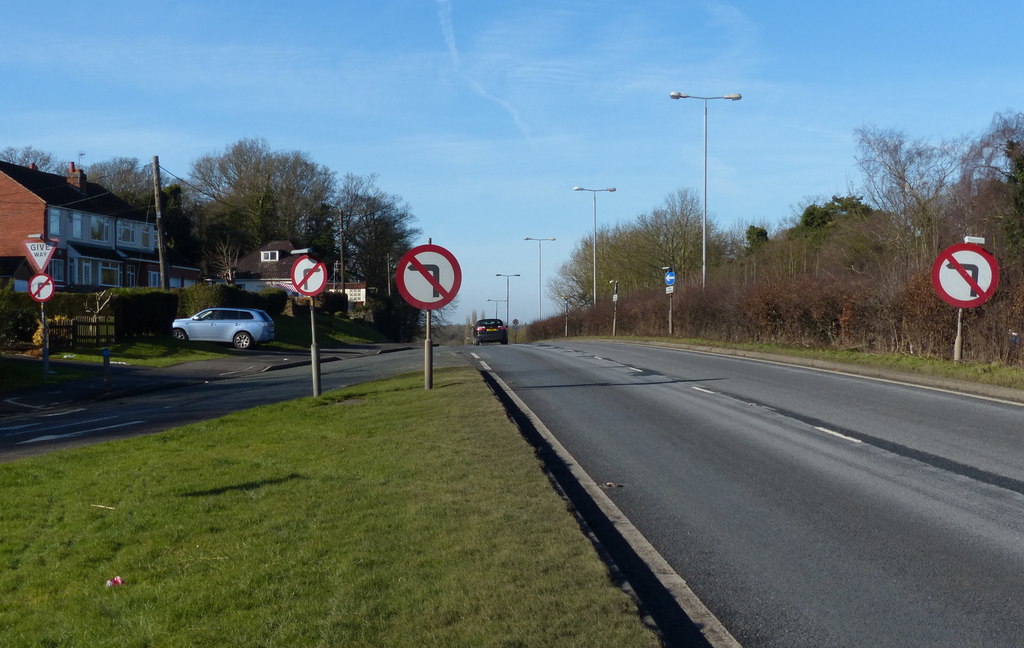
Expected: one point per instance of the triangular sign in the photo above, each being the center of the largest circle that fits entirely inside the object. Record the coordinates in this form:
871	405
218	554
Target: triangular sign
39	254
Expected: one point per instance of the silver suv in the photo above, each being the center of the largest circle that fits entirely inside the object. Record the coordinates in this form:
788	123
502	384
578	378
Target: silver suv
243	327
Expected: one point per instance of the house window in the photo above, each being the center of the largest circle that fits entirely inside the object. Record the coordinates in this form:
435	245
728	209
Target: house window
86	272
110	273
147	237
126	233
131	278
76	225
100	229
56	270
154	279
53	221
270	255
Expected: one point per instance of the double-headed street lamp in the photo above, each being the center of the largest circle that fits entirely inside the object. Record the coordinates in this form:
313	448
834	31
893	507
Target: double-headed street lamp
496	302
540	241
594	192
704	218
507	276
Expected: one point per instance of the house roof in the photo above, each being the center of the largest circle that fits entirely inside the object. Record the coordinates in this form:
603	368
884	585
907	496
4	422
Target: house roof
252	265
56	191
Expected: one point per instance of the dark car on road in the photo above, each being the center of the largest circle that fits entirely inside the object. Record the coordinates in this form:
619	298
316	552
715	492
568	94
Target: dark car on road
490	330
242	327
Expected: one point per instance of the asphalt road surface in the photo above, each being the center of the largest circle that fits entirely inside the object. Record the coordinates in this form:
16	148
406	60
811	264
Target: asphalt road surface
60	426
804	508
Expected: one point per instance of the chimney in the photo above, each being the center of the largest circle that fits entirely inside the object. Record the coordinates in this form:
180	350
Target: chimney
33	166
76	177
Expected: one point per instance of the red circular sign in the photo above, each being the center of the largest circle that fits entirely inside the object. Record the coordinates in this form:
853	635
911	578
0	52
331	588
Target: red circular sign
965	275
41	287
428	277
309	275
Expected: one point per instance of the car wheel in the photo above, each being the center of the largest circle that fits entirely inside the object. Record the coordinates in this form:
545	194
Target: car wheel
242	340
505	341
180	334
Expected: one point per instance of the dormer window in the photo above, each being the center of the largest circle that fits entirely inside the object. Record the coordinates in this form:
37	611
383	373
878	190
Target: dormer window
270	255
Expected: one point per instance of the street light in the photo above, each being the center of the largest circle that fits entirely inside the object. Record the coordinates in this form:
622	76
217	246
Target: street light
704	218
507	276
496	302
540	241
594	192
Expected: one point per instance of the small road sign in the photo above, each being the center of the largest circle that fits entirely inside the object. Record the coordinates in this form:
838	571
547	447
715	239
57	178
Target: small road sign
309	275
39	254
670	278
965	275
428	277
41	287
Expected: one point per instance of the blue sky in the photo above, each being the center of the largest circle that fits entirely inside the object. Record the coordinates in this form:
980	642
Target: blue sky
483	115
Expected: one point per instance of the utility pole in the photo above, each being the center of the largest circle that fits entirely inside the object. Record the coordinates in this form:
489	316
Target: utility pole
157	197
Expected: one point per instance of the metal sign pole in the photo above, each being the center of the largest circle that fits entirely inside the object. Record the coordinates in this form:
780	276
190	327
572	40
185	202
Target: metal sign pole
428	358
46	342
958	343
314	350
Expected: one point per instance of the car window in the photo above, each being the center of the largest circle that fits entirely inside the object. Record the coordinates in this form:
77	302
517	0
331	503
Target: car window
245	315
206	315
223	315
489	322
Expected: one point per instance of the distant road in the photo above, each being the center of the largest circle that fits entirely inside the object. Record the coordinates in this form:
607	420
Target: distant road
805	508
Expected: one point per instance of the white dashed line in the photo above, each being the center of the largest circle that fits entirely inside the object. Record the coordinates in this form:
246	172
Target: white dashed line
837	434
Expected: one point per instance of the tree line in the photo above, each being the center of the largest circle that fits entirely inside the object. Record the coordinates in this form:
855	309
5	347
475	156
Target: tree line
851	271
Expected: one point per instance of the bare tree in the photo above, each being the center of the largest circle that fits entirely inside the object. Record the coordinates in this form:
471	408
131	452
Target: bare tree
26	156
125	177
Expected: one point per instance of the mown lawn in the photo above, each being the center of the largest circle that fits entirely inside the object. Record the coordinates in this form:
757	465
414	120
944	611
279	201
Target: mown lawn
378	515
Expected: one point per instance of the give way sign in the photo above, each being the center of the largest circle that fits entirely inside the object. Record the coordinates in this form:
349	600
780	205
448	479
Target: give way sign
428	277
965	275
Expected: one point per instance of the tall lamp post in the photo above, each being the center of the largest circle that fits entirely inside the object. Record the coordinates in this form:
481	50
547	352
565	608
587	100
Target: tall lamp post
540	292
594	192
507	277
704	218
496	302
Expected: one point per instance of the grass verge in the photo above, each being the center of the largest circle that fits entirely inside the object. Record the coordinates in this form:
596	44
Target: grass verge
377	515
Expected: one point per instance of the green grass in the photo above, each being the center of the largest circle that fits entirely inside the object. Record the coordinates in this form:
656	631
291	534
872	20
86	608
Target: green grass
378	515
19	373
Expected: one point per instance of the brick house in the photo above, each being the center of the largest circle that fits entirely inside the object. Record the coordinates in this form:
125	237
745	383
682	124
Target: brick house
270	266
101	241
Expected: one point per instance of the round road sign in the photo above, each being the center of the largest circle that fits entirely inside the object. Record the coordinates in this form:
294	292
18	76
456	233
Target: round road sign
670	278
965	275
428	277
309	275
41	287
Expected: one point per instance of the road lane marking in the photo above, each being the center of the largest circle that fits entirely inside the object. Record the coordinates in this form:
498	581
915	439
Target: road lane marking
473	353
484	365
701	389
64	412
54	427
837	434
57	437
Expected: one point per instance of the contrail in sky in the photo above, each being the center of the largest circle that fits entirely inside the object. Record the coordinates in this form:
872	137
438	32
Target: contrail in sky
444	12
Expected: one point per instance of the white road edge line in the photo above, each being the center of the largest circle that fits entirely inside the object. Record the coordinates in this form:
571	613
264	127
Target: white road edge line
705	621
701	389
837	434
55	437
